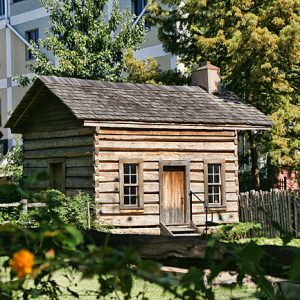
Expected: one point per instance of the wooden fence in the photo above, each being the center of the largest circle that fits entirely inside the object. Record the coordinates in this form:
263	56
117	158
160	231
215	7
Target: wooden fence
24	204
267	208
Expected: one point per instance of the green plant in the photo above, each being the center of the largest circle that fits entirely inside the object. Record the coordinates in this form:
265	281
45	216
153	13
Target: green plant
234	232
13	164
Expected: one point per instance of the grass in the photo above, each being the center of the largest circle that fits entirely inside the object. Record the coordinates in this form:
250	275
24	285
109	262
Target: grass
87	290
271	241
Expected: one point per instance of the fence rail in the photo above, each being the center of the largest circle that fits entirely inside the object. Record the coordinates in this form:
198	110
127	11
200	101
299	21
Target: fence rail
268	208
24	203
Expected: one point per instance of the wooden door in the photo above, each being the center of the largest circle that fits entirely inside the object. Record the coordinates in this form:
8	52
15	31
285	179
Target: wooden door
173	195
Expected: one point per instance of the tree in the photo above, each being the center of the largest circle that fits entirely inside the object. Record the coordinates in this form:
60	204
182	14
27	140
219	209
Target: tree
85	40
148	71
256	44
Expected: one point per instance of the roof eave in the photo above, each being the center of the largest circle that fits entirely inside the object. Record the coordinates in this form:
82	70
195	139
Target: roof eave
161	125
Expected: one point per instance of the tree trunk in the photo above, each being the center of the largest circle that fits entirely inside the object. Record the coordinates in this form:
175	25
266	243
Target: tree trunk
254	161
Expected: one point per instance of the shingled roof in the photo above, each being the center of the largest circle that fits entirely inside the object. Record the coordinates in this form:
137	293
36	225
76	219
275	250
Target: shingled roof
92	100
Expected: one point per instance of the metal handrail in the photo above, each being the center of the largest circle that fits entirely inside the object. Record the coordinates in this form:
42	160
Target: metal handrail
206	207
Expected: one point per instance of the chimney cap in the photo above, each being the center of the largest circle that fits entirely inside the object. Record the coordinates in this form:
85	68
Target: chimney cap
207	65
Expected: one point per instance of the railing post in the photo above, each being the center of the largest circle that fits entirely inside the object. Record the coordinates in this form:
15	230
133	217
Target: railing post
191	206
88	215
24	203
206	213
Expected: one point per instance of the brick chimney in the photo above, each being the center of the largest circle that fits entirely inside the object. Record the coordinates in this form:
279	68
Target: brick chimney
208	77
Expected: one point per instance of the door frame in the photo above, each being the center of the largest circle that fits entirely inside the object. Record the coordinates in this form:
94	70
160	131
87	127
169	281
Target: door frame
187	204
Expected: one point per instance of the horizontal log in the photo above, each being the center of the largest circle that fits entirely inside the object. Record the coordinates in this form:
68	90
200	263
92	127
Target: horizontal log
164	138
209	133
30	171
79	182
71	191
79	162
156	156
198	208
61	152
59	133
130	220
223	217
114	197
80	172
35	163
167	146
189	252
58	143
148	209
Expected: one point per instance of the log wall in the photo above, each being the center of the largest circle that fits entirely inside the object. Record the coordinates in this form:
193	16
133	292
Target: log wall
154	146
54	133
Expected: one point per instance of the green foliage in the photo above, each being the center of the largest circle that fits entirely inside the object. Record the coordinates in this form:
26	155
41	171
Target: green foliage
13	167
86	41
256	45
148	71
62	209
235	232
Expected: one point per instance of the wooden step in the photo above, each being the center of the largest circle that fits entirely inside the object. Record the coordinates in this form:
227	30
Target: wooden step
181	229
189	234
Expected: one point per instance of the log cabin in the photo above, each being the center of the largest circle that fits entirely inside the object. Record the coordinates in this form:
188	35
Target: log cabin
155	158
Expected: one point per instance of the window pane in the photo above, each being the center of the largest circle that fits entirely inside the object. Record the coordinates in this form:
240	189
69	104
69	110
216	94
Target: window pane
210	178
216	168
210	168
126	169
210	189
210	199
216	179
133	200
133	190
217	198
126	179
216	189
133	179
126	200
133	169
126	190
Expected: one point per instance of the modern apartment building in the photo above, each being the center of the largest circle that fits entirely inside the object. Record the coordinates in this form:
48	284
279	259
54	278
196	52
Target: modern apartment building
25	20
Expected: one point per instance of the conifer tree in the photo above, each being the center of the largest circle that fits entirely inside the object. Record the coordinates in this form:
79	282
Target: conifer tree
256	45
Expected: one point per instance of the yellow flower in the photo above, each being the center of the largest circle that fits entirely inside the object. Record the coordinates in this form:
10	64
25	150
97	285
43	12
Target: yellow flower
22	262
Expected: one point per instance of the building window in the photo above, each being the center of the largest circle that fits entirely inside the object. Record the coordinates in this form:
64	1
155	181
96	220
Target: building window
31	36
56	170
214	173
2	8
131	184
137	6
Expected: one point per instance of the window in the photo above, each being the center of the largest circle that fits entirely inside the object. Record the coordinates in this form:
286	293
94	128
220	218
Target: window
2	8
137	6
214	172
131	184
56	170
31	35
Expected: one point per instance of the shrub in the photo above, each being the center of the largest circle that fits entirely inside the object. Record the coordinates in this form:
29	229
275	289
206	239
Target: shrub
233	232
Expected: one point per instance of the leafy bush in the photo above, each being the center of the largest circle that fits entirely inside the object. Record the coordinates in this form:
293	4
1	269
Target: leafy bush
13	167
61	209
233	232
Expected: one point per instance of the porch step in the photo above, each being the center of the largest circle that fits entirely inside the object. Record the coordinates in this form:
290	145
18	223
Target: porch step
180	230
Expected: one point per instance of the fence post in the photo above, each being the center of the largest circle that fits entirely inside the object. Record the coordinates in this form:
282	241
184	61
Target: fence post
24	203
88	215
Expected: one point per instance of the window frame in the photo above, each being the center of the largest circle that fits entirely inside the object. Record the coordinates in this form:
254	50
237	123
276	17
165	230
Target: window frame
140	186
61	161
222	184
27	49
